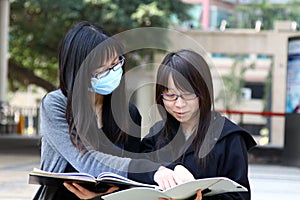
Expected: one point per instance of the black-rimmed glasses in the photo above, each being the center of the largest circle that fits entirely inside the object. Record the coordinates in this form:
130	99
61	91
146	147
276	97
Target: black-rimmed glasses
174	97
114	67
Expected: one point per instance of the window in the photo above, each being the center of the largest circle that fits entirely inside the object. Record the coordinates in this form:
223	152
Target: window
257	89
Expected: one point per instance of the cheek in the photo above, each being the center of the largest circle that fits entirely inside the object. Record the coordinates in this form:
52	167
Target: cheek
168	106
195	106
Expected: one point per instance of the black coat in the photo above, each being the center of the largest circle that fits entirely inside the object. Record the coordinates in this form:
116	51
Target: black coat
227	158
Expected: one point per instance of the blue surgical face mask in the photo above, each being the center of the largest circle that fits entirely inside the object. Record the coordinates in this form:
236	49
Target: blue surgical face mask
107	84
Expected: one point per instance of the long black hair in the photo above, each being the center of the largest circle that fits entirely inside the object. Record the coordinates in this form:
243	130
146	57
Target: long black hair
79	51
190	72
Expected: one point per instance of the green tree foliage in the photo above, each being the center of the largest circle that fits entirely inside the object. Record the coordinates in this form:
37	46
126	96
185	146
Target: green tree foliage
267	13
37	26
234	82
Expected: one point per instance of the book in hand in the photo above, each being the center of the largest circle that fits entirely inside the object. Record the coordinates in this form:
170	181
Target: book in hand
96	184
209	187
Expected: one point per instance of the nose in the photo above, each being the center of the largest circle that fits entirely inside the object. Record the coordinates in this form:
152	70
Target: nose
179	102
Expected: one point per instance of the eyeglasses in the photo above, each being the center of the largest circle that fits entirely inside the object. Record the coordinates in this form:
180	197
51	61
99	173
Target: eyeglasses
114	67
174	97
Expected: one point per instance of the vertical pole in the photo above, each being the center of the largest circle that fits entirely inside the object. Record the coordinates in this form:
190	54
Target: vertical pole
4	27
205	14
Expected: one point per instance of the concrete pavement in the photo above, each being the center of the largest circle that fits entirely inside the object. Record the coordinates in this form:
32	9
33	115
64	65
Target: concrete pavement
274	182
14	171
268	182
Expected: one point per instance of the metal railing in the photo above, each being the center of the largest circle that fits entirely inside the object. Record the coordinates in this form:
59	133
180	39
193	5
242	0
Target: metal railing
261	131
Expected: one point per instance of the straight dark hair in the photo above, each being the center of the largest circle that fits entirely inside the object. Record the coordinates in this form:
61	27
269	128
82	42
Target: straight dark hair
78	43
191	73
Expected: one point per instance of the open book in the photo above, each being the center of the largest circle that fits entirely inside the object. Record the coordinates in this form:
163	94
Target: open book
209	187
133	190
97	184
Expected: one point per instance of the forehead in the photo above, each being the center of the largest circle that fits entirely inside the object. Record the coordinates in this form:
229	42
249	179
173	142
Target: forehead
179	83
171	85
108	58
170	82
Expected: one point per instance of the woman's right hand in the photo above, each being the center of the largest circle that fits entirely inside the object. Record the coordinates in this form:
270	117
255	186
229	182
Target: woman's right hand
84	193
164	177
167	178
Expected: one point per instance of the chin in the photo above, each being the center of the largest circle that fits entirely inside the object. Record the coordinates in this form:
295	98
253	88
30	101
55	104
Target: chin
181	120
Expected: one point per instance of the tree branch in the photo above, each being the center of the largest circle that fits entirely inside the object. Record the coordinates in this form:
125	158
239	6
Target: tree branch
26	77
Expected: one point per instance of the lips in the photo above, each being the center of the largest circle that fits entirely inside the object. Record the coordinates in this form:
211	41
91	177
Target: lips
180	114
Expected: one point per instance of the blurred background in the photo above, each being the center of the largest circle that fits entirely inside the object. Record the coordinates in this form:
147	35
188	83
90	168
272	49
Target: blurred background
248	42
254	46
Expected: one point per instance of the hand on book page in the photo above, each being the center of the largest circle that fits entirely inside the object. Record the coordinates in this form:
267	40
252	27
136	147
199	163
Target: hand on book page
182	174
167	178
208	186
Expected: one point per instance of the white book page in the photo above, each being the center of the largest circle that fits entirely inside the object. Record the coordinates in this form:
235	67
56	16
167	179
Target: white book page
212	186
70	175
226	185
188	189
135	194
108	176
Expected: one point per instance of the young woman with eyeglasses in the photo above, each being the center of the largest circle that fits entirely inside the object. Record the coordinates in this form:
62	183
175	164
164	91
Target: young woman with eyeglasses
191	132
88	125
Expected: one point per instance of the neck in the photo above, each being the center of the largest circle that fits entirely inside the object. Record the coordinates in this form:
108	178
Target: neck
98	109
190	127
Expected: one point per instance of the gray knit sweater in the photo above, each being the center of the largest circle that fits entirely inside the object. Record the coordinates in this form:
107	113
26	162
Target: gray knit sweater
57	149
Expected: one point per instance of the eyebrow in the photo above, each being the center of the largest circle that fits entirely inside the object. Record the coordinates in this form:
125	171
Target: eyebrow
116	59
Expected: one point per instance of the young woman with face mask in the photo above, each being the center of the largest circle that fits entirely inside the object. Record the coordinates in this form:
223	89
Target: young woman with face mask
88	125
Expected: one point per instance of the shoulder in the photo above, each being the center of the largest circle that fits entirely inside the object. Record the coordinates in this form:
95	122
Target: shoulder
149	142
134	113
54	100
154	131
156	128
133	109
55	95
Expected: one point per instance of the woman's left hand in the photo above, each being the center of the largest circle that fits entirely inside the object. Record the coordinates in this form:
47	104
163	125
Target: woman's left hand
199	195
84	193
